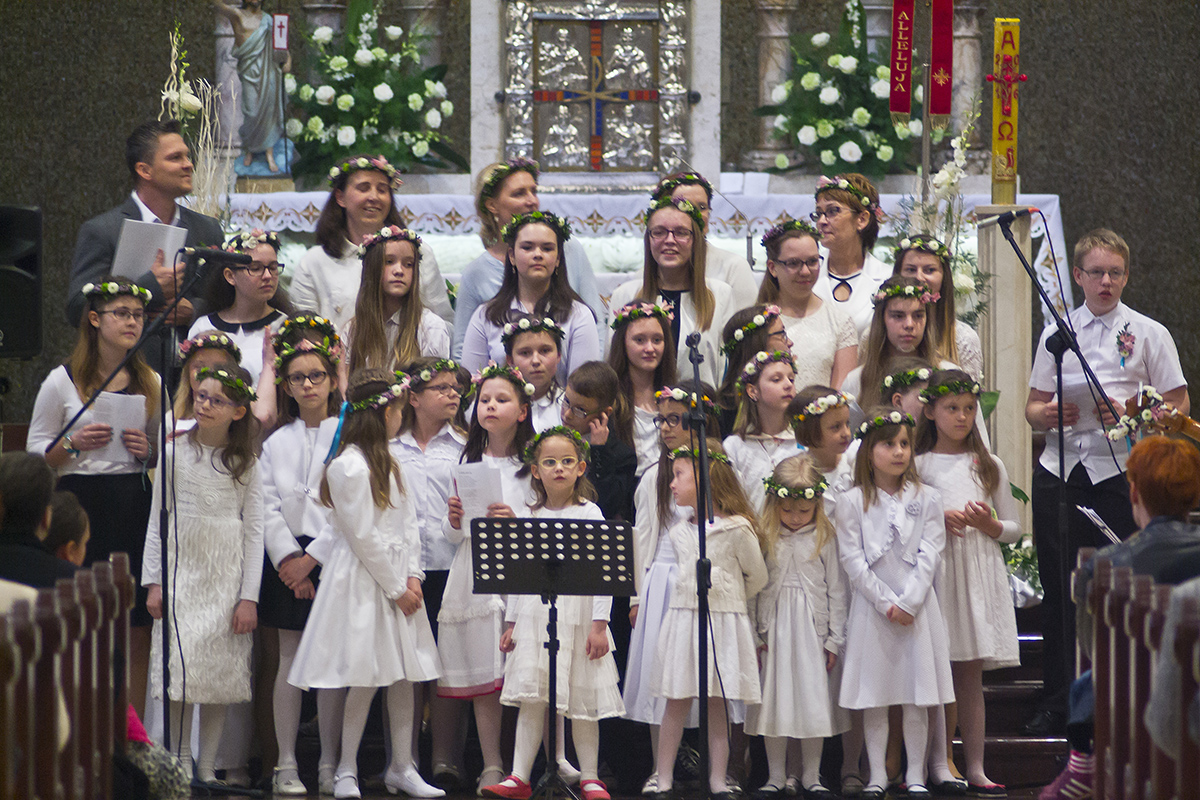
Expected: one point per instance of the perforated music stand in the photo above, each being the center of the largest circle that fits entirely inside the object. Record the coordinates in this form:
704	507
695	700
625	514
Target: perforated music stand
551	557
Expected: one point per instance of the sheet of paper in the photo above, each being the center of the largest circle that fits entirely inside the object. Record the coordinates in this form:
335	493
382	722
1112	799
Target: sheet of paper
1075	390
120	411
479	486
139	243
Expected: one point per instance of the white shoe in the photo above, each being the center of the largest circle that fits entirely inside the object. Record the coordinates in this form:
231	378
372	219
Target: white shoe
345	787
286	782
567	772
325	774
409	781
651	784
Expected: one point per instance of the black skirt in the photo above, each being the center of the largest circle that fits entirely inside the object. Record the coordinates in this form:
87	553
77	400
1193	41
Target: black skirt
118	509
278	606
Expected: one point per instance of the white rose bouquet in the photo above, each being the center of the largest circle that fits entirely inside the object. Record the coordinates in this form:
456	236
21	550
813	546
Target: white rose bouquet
370	94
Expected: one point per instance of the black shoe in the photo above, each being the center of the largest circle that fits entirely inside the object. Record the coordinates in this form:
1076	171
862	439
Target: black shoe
1046	723
723	796
667	795
919	792
817	792
872	793
950	788
995	791
767	792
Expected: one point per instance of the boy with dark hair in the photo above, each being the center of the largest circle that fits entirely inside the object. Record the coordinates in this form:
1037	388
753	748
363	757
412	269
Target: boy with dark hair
586	406
28	486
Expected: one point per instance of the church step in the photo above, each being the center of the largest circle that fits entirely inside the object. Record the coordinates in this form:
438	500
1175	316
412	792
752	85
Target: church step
1010	705
1020	763
1030	668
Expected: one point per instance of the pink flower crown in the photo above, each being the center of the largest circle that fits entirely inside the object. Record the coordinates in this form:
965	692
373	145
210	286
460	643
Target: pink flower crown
761	361
640	309
759	321
357	163
390	233
839	182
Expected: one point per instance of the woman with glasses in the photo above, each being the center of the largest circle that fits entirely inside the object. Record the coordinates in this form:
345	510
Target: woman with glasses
246	301
101	465
847	217
674	271
824	340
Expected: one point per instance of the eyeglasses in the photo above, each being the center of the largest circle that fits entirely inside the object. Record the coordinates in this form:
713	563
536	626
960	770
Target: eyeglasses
573	411
1114	275
444	389
670	420
567	462
125	314
206	399
661	234
794	264
297	379
781	332
827	213
256	270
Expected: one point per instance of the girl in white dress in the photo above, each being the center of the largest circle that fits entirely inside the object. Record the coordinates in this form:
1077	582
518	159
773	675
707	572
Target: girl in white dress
642	353
586	671
214	562
748	332
535	282
738	574
761	435
391	325
801	619
533	347
366	629
470	625
208	348
927	259
890	536
307	354
825	339
980	513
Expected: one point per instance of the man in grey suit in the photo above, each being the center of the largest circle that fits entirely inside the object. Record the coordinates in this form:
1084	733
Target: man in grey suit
159	162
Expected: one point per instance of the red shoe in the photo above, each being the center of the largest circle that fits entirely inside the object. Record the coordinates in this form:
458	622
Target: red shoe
594	789
511	788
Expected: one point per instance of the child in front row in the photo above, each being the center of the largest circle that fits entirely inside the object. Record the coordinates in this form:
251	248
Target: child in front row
587	673
891	534
738	574
801	619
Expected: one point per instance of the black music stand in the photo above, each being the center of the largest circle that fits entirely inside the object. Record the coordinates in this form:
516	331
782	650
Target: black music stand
551	557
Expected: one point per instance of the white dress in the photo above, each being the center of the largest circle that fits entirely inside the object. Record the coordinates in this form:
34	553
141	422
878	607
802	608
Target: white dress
645	439
801	616
247	336
840	478
433	335
217	542
890	553
586	689
580	344
816	338
470	625
728	267
356	634
970	349
755	457
859	306
738	573
973	580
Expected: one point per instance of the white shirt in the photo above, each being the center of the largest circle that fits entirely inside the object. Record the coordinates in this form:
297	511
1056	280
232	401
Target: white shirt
429	482
755	457
730	268
1154	362
863	284
292	466
247	336
433	335
580	342
150	216
546	410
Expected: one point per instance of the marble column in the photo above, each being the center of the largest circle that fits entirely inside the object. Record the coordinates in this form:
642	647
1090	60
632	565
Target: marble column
774	66
969	69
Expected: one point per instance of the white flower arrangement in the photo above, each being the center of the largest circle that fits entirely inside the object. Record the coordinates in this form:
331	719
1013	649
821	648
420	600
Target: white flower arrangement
810	81
364	58
345	102
346	136
820	40
829	95
393	32
807	135
323	35
850	152
383	93
325	95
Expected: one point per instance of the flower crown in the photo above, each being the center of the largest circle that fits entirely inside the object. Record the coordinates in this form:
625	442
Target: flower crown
436	368
924	243
890	418
531	325
357	163
556	430
558	224
494	370
694	453
921	293
822	404
639	309
669	185
217	341
899	381
247	240
286	351
504	170
760	320
234	385
932	393
839	182
683	396
685	206
760	362
107	290
790	225
803	492
389	233
301	322
385	397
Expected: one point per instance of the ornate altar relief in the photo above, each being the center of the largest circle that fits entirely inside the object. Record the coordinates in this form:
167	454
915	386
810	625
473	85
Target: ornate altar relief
596	86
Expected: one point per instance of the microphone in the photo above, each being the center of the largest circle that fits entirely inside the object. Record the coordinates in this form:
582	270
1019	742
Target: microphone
1006	218
217	255
692	340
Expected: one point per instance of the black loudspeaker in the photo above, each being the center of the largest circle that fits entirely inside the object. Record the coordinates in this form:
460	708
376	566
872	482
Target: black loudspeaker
20	282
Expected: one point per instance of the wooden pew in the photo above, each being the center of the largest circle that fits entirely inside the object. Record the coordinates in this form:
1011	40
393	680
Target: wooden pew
1082	557
1097	592
1187	770
89	604
52	630
1162	767
68	672
10	671
110	609
1137	615
123	580
1116	756
25	634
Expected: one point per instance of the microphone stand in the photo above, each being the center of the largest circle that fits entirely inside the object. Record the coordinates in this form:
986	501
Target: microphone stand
1058	344
696	421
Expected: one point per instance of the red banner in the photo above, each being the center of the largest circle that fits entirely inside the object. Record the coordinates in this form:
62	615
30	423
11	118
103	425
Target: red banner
941	61
900	99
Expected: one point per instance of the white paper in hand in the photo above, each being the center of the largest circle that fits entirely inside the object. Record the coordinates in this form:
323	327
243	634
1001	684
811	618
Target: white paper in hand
120	412
140	243
479	486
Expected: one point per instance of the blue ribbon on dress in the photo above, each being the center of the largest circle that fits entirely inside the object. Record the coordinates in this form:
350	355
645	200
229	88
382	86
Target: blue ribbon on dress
337	435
